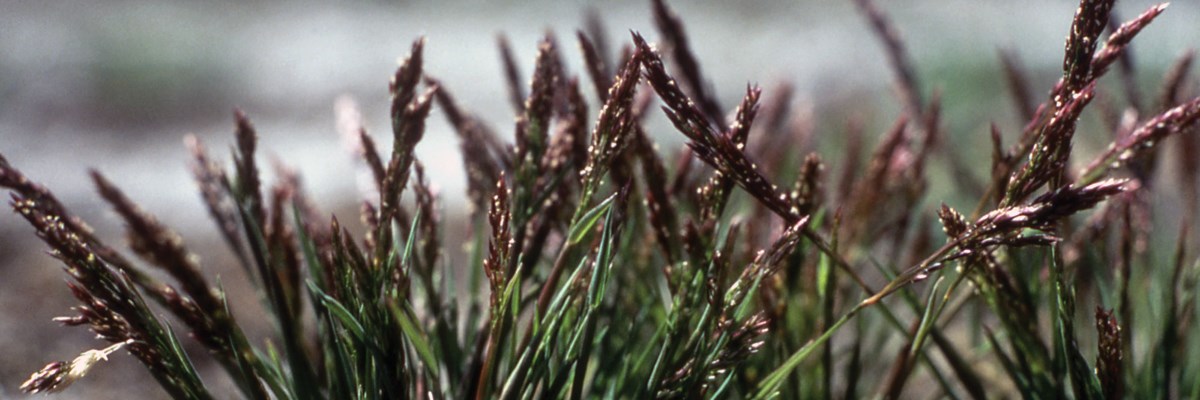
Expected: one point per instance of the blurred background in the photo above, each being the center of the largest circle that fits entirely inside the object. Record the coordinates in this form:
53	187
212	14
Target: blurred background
116	85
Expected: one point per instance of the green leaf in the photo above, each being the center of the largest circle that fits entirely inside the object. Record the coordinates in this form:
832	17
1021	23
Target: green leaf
928	318
769	386
1016	374
1083	380
416	337
585	224
340	312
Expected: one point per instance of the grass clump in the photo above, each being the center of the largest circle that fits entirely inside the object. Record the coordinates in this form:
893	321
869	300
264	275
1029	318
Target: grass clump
599	268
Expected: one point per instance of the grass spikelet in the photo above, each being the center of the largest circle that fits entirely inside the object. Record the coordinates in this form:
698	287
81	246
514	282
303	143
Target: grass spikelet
1121	37
671	27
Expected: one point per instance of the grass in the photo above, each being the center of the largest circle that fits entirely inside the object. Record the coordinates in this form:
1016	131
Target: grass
733	268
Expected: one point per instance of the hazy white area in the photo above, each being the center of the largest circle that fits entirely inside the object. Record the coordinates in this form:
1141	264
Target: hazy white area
115	85
64	105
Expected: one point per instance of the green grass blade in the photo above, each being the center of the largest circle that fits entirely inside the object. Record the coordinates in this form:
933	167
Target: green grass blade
589	220
413	333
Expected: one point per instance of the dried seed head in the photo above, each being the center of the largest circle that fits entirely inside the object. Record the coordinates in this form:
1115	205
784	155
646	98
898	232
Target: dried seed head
160	246
953	223
403	86
1046	210
671	27
534	121
1048	157
501	242
1090	20
249	187
58	375
1120	38
409	128
1142	139
615	122
714	148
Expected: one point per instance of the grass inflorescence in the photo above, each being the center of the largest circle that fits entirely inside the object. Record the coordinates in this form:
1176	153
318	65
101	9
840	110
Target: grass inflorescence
741	266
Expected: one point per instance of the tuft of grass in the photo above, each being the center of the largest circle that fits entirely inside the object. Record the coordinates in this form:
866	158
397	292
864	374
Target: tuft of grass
601	268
